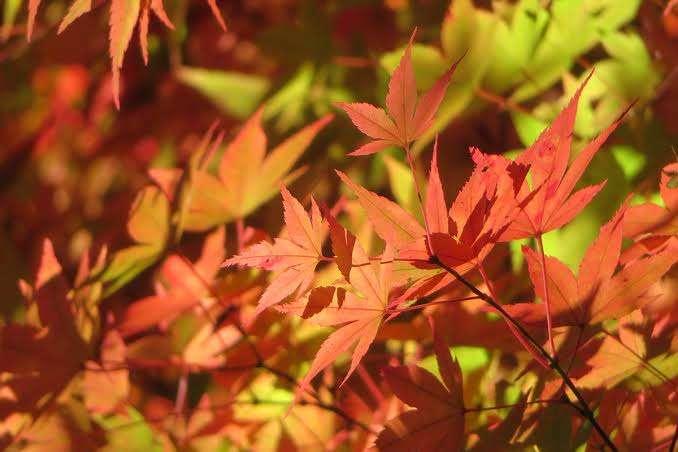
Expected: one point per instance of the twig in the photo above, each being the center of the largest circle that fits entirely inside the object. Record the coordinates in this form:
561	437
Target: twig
582	405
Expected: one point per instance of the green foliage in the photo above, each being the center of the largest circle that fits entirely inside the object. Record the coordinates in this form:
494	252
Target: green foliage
236	94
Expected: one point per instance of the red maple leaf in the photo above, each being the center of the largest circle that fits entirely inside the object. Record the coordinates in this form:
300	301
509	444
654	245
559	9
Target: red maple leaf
553	178
33	353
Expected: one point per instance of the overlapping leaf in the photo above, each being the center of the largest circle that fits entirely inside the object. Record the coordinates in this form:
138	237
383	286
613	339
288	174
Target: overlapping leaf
360	310
148	226
293	258
651	218
32	354
463	235
185	284
438	419
598	293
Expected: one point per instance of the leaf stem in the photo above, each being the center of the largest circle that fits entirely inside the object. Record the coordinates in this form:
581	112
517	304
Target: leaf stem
547	303
582	406
512	405
410	161
432	303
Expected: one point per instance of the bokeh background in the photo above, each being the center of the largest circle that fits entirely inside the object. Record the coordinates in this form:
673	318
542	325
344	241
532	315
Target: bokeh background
71	163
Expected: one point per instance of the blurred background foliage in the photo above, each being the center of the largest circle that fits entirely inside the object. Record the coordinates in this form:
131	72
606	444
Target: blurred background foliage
71	164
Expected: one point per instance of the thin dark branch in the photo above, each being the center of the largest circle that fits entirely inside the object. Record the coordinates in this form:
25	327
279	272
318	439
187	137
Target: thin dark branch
582	406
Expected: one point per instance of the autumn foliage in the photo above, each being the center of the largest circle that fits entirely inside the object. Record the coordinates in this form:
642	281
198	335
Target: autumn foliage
408	294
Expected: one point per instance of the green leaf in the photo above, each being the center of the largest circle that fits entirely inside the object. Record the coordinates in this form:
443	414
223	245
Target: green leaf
630	160
289	101
235	93
148	226
514	44
470	359
402	184
570	242
659	370
465	31
130	432
610	15
574	28
9	14
125	265
528	127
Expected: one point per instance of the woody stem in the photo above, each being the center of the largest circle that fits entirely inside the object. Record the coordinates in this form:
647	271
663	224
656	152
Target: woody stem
582	406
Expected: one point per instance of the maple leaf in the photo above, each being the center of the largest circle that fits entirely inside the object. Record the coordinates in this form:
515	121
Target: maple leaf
438	417
206	348
294	257
553	204
651	218
484	208
148	226
186	284
33	353
462	236
111	374
124	16
408	116
392	223
246	176
209	420
360	309
598	293
608	361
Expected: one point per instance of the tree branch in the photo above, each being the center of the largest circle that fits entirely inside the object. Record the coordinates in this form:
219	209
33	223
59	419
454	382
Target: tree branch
583	406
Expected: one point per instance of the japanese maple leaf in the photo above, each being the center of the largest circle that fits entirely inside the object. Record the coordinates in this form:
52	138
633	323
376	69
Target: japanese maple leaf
408	115
246	176
359	310
553	204
483	209
185	284
32	354
437	422
111	374
651	218
124	15
293	258
464	235
597	293
148	225
461	236
614	358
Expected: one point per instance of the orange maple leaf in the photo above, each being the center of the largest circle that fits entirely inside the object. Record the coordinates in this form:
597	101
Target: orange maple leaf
439	415
408	115
293	257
